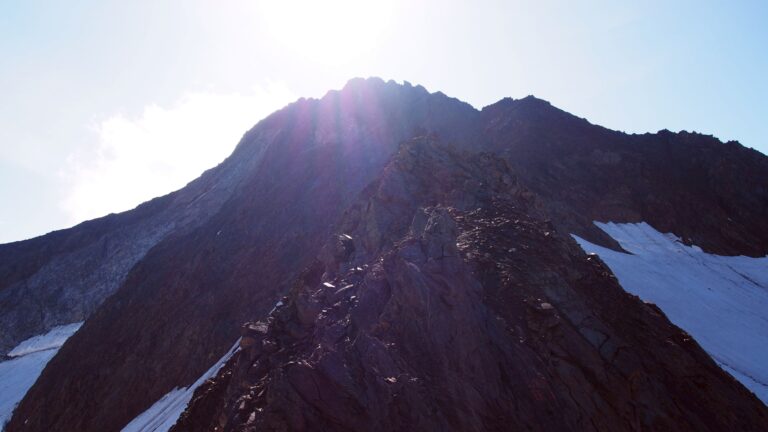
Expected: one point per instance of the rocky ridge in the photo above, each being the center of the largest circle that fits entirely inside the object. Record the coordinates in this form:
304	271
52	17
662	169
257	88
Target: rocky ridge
463	309
346	164
708	193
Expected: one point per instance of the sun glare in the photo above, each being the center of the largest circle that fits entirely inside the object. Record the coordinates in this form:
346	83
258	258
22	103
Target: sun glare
327	31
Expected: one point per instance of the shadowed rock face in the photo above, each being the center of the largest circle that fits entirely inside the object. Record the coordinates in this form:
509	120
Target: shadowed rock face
708	193
456	301
468	315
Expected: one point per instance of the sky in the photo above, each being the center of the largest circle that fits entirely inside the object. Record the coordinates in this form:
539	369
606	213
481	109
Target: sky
106	104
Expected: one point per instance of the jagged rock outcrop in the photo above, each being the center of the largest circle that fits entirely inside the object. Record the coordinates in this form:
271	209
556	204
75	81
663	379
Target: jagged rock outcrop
469	314
455	247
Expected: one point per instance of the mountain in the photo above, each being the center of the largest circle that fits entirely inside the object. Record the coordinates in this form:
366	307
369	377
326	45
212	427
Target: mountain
419	253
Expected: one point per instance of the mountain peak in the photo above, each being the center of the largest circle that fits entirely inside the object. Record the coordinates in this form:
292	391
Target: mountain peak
400	282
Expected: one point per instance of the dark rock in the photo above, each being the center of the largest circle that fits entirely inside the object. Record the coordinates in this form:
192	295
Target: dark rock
435	317
545	340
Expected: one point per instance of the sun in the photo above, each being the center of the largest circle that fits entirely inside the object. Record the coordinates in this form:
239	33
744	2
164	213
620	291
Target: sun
329	31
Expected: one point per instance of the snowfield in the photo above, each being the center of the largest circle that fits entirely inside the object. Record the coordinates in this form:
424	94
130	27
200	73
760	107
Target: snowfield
722	301
27	362
162	415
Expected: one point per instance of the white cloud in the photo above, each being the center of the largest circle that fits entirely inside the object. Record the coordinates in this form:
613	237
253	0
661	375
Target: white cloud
161	150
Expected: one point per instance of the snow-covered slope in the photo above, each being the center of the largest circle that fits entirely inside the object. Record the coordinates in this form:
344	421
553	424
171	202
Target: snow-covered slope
53	339
27	361
722	301
164	413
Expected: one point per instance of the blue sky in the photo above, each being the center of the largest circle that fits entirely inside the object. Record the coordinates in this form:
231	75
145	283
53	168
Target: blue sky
109	103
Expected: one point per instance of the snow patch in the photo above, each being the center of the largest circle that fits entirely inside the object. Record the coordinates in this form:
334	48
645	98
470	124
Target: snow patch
53	339
164	413
27	361
722	301
277	305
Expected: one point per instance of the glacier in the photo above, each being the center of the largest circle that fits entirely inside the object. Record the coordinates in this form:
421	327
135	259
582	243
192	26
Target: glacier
722	301
27	361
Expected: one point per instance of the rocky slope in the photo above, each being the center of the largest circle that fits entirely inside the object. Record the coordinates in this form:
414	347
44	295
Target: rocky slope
471	314
708	193
525	329
64	276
